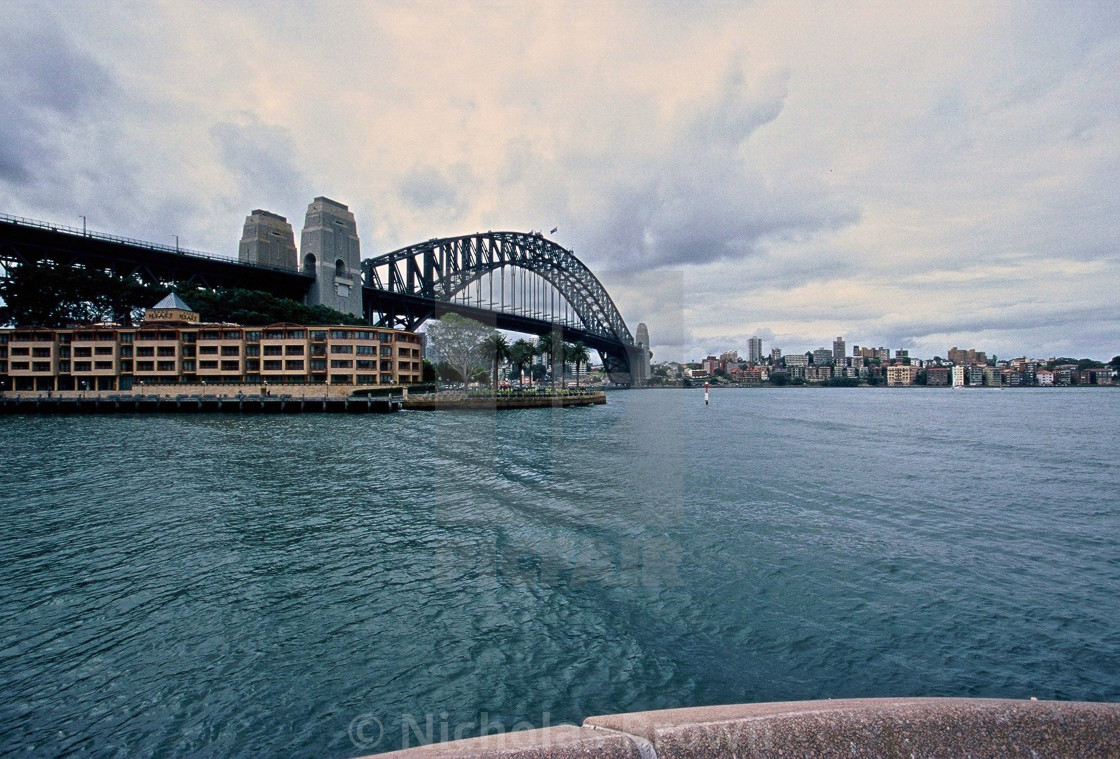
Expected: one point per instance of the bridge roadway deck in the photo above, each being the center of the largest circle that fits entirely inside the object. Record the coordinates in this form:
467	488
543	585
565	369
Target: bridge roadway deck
24	240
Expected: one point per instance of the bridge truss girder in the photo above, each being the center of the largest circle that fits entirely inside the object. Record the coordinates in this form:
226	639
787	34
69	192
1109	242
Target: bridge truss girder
411	285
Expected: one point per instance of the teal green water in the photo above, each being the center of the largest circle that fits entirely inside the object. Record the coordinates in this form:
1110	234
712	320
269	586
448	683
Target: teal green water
325	585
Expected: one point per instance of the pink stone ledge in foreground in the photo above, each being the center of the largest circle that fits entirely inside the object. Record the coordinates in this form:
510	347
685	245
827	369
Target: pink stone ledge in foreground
874	727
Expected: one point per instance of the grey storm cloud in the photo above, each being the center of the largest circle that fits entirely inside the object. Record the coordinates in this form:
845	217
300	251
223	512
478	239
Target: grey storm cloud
426	188
48	84
701	200
263	159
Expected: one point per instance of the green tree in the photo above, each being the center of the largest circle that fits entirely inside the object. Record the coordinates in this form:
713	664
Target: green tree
495	349
457	340
578	354
779	379
520	354
551	346
1115	363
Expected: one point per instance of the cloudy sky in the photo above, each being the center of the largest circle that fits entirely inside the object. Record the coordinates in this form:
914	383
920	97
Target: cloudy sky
905	174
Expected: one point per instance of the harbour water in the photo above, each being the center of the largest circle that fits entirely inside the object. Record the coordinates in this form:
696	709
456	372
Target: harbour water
332	585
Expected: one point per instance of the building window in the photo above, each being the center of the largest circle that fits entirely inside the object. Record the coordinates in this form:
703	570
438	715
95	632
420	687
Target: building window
318	334
231	366
252	350
20	366
231	350
79	352
105	350
46	352
386	337
206	350
367	364
252	365
45	366
273	350
294	365
126	366
367	379
166	350
341	379
293	350
386	350
231	335
297	334
273	366
339	364
342	349
143	351
64	366
318	365
205	364
274	334
339	334
166	366
253	336
209	334
365	350
188	365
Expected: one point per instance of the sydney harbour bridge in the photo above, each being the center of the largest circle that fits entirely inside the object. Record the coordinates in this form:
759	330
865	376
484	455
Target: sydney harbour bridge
516	281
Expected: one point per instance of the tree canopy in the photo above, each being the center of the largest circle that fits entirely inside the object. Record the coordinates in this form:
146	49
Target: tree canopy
456	340
52	296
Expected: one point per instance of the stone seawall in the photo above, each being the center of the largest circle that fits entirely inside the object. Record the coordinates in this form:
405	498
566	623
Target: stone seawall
501	401
195	404
873	727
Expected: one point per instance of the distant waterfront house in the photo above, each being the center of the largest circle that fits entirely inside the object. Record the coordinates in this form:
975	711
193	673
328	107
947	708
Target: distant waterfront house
901	375
937	376
1044	378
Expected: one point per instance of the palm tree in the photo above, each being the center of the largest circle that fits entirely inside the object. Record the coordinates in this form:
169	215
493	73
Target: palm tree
495	349
521	353
552	346
578	355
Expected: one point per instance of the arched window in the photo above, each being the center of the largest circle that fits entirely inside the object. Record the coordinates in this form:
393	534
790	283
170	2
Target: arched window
309	264
340	268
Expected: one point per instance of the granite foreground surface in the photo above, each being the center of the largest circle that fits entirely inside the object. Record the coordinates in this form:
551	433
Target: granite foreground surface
876	727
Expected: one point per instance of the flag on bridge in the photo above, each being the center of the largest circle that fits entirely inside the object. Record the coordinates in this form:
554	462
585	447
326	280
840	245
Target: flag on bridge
554	230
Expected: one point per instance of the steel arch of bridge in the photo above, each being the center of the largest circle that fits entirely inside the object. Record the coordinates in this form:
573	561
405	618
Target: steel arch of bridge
408	286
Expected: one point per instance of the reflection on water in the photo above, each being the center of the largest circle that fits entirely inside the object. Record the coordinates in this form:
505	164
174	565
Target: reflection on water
228	585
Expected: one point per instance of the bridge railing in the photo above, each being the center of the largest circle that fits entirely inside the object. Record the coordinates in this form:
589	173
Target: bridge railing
35	223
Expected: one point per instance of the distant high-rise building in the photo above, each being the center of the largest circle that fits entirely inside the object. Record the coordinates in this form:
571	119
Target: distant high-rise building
331	254
268	240
775	356
822	356
754	350
839	348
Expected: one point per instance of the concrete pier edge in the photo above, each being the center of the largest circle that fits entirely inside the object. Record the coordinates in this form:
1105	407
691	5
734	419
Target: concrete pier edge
872	727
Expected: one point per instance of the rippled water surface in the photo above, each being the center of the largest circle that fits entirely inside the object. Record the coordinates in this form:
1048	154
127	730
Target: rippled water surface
324	585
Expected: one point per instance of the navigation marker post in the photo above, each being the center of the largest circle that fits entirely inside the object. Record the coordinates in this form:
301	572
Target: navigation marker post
706	386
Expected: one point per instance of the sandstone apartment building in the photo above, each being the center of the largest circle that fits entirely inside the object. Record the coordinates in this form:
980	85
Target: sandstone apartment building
171	347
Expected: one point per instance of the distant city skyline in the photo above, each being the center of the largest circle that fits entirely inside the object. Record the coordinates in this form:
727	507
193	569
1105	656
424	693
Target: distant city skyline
917	175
